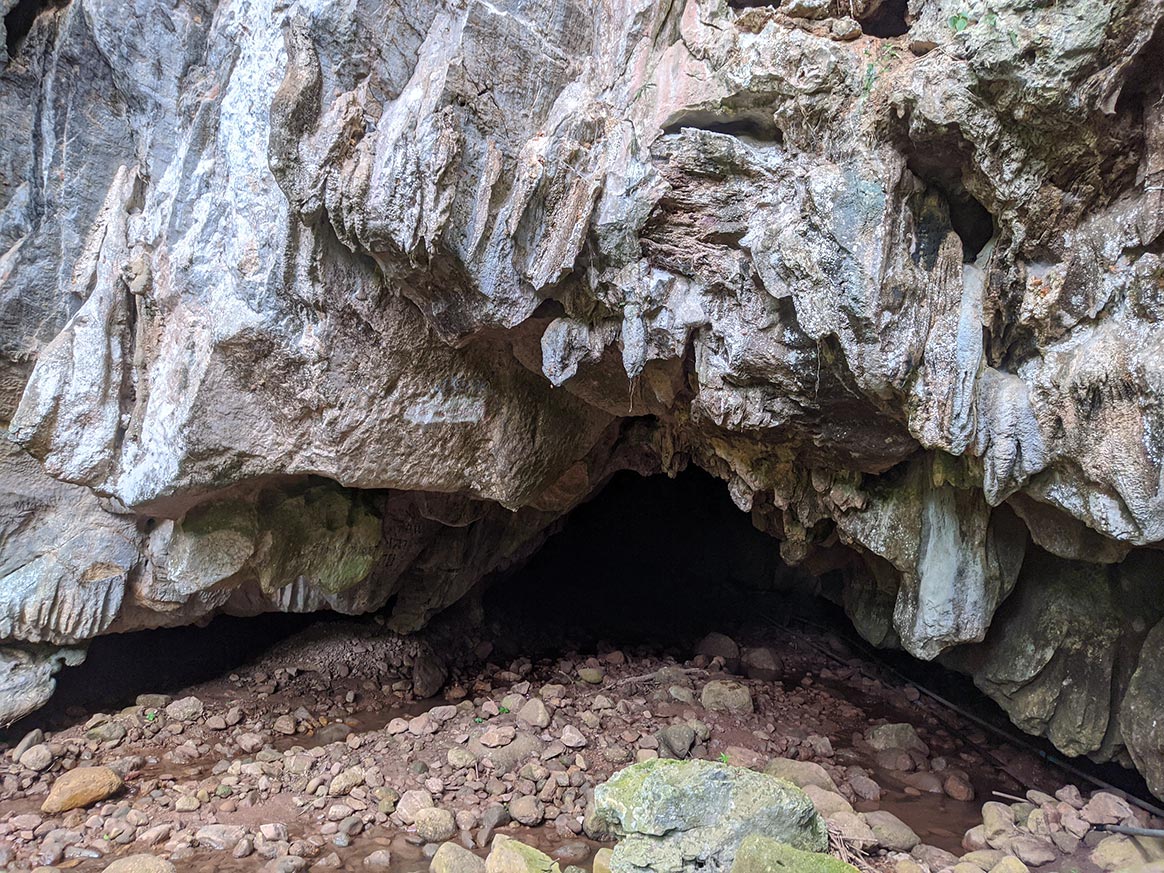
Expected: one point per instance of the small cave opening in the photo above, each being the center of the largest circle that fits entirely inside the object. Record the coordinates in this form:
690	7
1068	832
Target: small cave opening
20	19
751	125
888	19
969	219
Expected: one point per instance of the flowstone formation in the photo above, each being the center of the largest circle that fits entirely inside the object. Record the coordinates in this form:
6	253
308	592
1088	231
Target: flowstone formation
325	305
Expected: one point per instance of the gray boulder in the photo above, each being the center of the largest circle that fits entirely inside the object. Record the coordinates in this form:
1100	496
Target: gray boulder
680	816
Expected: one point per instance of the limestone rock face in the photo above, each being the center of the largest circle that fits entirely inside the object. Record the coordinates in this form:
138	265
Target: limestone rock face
330	304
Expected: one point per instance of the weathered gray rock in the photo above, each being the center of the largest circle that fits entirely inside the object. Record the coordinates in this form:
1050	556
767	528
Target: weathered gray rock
511	856
801	773
434	825
677	816
722	695
360	331
141	864
452	858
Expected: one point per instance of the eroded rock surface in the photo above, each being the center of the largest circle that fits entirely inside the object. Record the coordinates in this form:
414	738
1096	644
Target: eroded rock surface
320	304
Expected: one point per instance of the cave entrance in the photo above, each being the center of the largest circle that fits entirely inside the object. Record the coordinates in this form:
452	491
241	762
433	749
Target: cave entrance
650	560
656	620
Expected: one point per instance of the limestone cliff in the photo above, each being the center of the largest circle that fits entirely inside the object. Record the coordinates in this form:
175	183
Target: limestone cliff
314	304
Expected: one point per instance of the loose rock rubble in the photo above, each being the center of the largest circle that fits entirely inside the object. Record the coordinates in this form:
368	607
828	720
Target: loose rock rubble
313	759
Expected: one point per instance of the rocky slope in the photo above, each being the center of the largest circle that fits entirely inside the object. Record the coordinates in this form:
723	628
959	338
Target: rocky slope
325	304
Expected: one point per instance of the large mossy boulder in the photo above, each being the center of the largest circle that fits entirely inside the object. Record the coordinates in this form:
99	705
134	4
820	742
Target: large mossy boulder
759	854
680	816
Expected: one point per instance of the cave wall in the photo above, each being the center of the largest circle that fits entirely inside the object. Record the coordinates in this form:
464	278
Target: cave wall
332	303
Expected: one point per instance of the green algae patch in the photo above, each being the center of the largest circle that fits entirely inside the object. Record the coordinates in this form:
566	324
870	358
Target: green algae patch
760	854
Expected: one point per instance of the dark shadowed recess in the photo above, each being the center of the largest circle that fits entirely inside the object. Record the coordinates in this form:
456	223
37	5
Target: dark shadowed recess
121	666
20	18
888	20
648	561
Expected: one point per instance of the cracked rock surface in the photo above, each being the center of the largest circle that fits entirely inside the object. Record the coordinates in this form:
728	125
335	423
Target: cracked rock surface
332	303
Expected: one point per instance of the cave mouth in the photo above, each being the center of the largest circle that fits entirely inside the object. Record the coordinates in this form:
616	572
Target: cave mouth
629	585
651	561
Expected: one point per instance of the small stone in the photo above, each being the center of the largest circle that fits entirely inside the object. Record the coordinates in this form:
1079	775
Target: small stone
591	675
572	738
997	821
925	781
346	781
534	713
380	859
434	825
285	724
186	709
495	816
141	864
762	664
428	674
451	858
422	725
801	773
527	810
864	787
826	802
81	787
1105	808
250	742
1116	852
891	832
106	732
717	645
958	787
574	852
411	802
33	738
1031	850
38	758
721	695
896	736
216	723
221	837
187	803
497	736
852	828
460	758
675	741
1009	865
846	29
933	857
984	859
602	859
510	856
814	9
